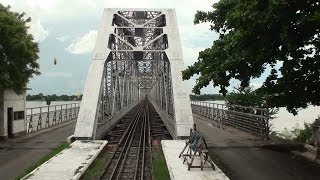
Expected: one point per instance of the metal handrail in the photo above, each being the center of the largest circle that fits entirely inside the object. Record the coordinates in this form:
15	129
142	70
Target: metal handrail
52	105
254	120
50	117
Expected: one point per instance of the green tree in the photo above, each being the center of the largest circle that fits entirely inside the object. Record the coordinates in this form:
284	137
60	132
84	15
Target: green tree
245	97
251	98
206	97
256	34
18	51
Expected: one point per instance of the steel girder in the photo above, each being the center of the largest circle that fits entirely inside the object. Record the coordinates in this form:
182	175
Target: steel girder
135	57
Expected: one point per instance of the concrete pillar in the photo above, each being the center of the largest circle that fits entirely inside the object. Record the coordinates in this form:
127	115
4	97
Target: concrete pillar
88	113
182	107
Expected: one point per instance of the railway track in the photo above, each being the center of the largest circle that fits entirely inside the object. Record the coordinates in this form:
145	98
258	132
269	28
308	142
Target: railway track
131	158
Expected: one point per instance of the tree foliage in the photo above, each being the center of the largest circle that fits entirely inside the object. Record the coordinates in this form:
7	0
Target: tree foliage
54	97
245	97
206	97
18	51
303	135
256	34
250	98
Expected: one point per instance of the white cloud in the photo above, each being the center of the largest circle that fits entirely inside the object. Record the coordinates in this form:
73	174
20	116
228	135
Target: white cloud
63	38
255	85
199	31
58	13
195	39
37	30
83	45
62	10
45	5
190	54
6	2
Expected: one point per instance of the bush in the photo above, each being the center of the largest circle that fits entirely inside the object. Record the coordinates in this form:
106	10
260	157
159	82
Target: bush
303	134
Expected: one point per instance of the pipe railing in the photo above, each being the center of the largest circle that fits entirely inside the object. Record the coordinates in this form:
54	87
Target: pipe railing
47	116
254	120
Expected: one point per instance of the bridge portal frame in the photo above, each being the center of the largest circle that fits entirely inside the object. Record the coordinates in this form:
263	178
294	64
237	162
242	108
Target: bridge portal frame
166	45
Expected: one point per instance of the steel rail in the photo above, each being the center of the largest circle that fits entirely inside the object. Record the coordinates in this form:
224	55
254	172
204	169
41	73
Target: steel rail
138	156
126	153
130	158
123	141
144	144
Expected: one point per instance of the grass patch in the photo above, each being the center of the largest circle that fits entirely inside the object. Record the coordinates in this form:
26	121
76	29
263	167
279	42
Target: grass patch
97	167
45	158
160	170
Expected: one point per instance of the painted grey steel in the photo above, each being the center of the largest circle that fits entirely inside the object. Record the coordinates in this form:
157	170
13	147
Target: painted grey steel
251	119
137	54
38	117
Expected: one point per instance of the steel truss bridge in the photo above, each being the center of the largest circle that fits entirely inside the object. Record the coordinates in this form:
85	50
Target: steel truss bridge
137	55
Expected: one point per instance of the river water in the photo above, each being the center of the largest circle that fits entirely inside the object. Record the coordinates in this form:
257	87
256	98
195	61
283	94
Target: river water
283	121
34	104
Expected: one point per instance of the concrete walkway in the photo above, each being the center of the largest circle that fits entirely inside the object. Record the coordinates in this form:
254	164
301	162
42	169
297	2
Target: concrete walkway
16	156
179	170
70	163
242	156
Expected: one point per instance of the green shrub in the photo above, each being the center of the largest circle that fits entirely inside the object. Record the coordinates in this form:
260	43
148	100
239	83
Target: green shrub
303	134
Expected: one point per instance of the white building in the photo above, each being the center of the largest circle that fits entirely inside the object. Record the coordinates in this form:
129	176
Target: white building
12	114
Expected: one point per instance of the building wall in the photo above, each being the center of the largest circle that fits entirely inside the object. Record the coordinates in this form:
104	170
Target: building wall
19	126
18	103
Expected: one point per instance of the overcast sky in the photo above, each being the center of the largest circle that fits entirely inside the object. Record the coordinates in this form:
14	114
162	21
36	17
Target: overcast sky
67	30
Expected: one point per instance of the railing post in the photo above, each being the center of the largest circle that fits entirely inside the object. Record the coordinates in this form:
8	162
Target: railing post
202	108
60	115
54	119
222	114
208	110
221	119
47	118
267	123
30	122
261	132
66	113
70	112
40	119
234	116
77	111
73	111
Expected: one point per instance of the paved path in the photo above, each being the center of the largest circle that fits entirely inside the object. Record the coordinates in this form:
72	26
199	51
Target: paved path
16	157
242	157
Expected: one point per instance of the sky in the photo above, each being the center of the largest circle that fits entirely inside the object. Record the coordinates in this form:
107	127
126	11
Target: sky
67	30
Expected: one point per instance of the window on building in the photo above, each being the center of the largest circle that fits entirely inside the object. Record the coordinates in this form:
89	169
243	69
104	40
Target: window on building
18	115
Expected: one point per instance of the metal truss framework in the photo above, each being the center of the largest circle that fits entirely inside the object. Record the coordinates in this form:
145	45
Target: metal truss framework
134	58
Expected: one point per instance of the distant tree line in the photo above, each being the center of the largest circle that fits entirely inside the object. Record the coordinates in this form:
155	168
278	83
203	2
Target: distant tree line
206	97
54	97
